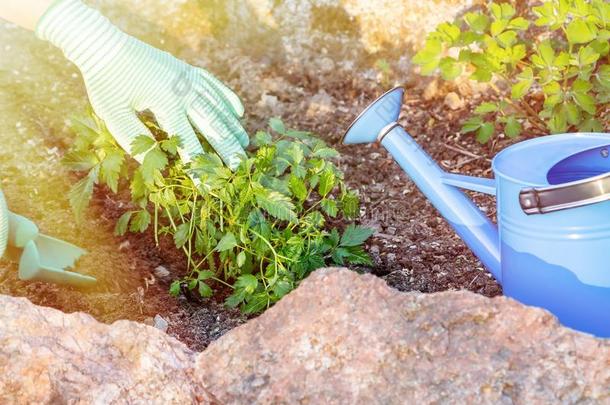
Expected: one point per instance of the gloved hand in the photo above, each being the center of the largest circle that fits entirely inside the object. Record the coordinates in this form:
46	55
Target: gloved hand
124	75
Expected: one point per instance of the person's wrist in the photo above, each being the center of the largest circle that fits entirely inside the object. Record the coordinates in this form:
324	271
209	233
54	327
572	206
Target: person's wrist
86	37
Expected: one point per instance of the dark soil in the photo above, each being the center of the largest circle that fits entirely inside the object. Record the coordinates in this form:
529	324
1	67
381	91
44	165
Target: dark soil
414	249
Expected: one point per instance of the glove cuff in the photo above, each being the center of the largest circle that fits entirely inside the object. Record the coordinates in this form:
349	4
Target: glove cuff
86	37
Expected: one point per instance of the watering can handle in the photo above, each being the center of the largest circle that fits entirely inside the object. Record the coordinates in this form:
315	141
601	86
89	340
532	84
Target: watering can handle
575	194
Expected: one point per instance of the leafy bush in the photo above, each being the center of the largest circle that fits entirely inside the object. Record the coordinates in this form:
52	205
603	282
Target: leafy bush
559	48
259	230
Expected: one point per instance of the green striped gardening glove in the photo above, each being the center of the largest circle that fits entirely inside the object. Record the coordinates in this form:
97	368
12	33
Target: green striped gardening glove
124	75
3	224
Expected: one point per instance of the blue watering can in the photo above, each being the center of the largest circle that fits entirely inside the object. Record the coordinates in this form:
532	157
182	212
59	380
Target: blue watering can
551	247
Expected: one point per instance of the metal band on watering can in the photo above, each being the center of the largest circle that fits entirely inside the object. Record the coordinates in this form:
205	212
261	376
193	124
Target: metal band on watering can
570	195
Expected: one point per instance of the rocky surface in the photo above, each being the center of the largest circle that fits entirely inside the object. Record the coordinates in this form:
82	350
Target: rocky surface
49	357
320	35
346	338
340	338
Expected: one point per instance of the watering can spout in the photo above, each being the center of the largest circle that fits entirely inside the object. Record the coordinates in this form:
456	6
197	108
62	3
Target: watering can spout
379	122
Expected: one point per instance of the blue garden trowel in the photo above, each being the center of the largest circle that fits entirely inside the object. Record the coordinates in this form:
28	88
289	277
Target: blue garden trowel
43	258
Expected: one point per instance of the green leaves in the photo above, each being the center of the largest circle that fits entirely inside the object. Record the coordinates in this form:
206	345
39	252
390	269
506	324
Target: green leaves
524	83
355	235
227	242
493	48
484	130
327	182
275	204
142	144
261	228
513	127
450	68
429	57
580	32
81	193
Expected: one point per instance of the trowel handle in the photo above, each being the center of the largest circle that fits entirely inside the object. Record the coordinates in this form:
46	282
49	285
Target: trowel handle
21	230
575	194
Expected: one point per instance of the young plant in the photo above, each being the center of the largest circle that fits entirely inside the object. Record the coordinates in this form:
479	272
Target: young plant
259	230
558	50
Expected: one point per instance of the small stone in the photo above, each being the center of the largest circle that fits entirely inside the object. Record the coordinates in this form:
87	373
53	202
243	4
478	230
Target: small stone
453	101
161	272
431	90
320	104
124	245
160	323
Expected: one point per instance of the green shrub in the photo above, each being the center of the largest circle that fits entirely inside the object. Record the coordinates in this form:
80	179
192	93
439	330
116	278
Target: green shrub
559	48
259	230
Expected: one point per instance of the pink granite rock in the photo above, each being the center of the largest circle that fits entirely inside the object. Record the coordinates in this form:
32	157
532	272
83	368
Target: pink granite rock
343	338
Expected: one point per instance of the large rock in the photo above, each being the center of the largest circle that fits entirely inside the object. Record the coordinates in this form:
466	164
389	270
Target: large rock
340	338
295	33
49	357
345	338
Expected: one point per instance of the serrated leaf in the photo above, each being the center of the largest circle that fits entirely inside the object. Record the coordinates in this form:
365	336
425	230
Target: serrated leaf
241	259
590	125
485	132
142	144
123	223
585	101
350	204
450	69
325	153
174	288
256	303
246	282
276	205
204	290
497	27
519	23
262	138
227	242
171	145
80	161
477	22
111	169
587	56
603	75
448	32
281	288
520	89
182	235
327	182
140	221
205	275
357	256
355	235
80	194
580	32
546	52
572	113
430	56
472	125
298	188
329	207
485	108
513	127
154	161
235	299
507	39
277	125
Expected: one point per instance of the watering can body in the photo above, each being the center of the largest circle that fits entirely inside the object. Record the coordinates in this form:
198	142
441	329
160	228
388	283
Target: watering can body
557	260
